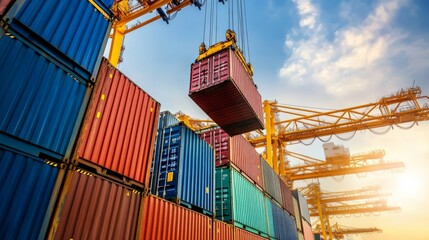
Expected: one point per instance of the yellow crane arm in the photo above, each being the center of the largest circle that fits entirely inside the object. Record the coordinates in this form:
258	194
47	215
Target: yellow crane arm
339	231
354	209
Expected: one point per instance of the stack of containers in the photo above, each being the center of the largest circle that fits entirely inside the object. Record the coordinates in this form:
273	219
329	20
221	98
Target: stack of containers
183	166
101	196
305	223
271	182
281	224
47	62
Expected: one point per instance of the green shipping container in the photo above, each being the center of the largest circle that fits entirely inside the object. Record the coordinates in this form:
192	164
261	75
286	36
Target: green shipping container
239	202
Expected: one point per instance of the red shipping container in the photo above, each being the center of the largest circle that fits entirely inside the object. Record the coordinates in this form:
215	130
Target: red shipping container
120	126
287	198
94	208
223	89
3	5
165	220
240	234
308	232
223	231
236	150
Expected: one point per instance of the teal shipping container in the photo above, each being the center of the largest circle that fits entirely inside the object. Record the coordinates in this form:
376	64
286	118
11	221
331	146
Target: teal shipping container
239	202
29	188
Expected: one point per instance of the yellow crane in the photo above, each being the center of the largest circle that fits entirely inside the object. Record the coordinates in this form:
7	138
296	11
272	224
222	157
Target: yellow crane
288	124
194	124
323	204
128	13
339	231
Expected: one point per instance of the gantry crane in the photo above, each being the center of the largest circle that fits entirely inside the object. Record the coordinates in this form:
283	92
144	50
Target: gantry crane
288	124
339	231
323	204
130	11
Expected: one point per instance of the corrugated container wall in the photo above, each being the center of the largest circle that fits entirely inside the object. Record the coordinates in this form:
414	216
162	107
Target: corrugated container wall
165	220
60	24
167	119
223	89
303	206
284	224
238	201
27	185
185	168
223	231
40	102
308	232
297	214
287	202
236	150
120	126
95	208
240	234
271	182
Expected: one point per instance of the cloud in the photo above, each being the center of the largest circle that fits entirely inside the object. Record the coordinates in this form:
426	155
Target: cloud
361	55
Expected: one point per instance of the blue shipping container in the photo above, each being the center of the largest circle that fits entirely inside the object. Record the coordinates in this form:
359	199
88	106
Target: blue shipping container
27	185
74	27
184	168
283	224
40	103
167	119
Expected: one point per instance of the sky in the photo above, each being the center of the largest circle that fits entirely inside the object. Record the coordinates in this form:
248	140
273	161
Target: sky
325	54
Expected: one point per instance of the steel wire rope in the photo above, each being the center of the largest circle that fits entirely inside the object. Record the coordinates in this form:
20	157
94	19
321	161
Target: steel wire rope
346	138
381	133
405	128
322	140
247	32
307	144
205	21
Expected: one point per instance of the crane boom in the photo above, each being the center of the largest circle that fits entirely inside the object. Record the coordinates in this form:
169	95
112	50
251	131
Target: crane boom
354	209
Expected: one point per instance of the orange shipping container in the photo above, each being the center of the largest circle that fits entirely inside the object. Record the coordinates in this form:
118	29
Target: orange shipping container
223	231
240	234
120	126
165	220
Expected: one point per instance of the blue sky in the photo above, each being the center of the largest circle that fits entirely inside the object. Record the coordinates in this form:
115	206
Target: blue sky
330	54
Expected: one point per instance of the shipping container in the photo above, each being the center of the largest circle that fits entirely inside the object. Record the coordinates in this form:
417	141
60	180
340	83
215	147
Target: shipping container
239	202
300	236
184	168
167	119
271	182
316	237
297	214
29	187
41	104
92	207
223	89
281	224
236	150
303	206
119	129
240	234
308	232
165	220
58	26
287	202
223	231
4	6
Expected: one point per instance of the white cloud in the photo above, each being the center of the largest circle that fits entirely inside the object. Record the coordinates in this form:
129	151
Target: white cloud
359	55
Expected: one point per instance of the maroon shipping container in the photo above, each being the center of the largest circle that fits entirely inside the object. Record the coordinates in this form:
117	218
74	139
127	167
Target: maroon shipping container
3	5
165	220
236	150
223	89
223	231
95	208
120	126
287	198
308	232
240	234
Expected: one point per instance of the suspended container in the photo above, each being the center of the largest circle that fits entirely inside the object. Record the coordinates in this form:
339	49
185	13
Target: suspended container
161	219
308	232
303	206
287	198
235	150
74	32
29	187
239	202
92	207
184	169
280	223
223	89
118	134
42	105
240	234
271	182
223	231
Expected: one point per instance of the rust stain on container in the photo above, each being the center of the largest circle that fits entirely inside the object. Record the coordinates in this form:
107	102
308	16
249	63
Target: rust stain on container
240	234
236	150
222	88
223	231
162	219
120	126
95	208
287	198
